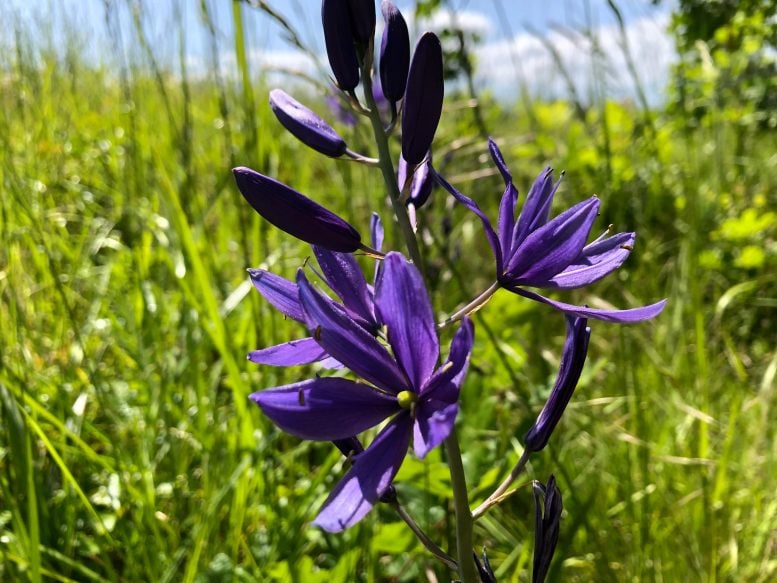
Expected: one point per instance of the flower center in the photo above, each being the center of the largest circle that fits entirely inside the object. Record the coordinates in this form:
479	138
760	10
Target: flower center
407	399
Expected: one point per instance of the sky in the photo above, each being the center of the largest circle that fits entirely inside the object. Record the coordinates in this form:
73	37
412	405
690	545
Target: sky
512	51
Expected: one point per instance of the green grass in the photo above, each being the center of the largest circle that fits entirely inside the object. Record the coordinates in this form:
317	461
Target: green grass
129	451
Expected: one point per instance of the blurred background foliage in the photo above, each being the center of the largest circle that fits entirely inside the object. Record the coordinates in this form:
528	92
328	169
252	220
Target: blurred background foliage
128	450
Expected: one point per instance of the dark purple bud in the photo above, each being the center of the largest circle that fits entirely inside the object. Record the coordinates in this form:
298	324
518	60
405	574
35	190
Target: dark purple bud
547	519
295	213
394	52
340	48
421	183
362	20
484	569
572	360
423	99
305	125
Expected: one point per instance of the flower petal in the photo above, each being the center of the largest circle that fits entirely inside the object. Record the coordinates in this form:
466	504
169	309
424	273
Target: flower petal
446	381
487	227
629	316
369	477
597	260
552	247
376	232
292	353
405	308
434	422
295	213
572	361
347	341
325	409
496	156
280	292
344	276
536	210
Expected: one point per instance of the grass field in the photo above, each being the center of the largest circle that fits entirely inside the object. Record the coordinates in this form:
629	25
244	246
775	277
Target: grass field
129	450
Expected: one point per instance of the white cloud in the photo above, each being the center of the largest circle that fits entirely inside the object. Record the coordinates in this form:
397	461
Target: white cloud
468	21
503	65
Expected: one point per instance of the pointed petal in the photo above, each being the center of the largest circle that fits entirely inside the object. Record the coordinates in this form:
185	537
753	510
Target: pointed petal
506	222
496	156
446	381
552	247
295	213
376	232
572	361
293	353
536	210
487	227
629	316
344	276
280	292
370	476
597	260
405	308
325	409
347	341
434	422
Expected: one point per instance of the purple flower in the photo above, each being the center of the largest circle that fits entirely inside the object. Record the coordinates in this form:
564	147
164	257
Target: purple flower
552	254
423	99
306	125
394	52
339	39
547	519
407	387
422	182
342	274
295	213
572	360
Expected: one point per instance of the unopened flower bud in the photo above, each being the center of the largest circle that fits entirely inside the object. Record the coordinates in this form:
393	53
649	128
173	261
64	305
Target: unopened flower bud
423	99
306	125
295	213
362	20
394	52
340	48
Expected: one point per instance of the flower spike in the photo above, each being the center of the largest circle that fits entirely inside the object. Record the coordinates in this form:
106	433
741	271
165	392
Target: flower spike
305	125
295	213
423	99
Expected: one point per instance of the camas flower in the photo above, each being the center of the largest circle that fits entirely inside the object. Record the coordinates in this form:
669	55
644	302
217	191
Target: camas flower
572	361
306	125
341	272
420	399
552	254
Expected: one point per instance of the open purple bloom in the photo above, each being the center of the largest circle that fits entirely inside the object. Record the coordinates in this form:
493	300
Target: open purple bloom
341	272
537	252
547	519
405	385
306	125
423	98
394	52
339	38
572	360
295	213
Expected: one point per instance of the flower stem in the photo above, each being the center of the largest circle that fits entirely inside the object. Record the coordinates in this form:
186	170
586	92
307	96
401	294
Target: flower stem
387	168
499	494
464	546
424	538
471	307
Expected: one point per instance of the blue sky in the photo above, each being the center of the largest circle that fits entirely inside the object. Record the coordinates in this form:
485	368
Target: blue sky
509	53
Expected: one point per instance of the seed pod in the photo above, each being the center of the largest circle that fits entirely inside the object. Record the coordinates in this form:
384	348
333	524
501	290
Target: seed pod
394	52
423	99
306	125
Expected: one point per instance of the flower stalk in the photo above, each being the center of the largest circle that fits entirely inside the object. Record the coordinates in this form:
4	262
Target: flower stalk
501	492
467	568
472	307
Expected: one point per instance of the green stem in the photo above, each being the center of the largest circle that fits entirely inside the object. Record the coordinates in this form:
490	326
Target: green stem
464	547
424	538
472	306
499	493
387	168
